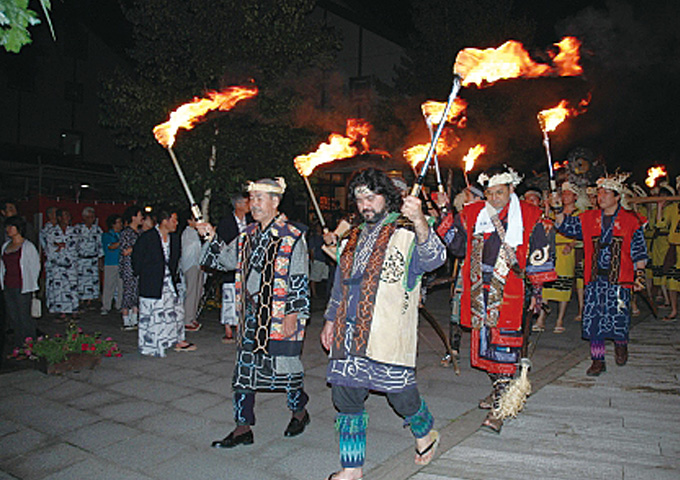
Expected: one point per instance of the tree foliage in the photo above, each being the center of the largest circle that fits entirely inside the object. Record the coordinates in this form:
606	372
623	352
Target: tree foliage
15	18
181	50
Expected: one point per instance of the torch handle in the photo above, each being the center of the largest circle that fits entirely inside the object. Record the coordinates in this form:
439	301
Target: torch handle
430	153
322	222
546	144
195	209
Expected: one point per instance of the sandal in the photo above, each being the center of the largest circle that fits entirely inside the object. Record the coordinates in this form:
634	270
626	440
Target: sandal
432	447
486	403
538	328
578	318
189	347
332	476
558	329
668	318
492	423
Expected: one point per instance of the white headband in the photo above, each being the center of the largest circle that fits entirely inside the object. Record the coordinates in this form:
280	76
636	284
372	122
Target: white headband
509	177
265	187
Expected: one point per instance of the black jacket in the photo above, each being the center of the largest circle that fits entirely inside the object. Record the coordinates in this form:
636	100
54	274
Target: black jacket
227	230
148	262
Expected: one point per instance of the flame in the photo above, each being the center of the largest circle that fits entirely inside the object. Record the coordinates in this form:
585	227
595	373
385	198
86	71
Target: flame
511	60
551	118
653	173
416	154
433	111
567	58
358	129
558	165
472	155
338	146
187	115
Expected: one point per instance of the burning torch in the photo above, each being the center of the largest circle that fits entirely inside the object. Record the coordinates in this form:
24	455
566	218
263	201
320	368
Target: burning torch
186	116
457	82
469	160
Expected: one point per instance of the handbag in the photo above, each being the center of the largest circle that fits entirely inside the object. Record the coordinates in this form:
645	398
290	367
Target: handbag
36	307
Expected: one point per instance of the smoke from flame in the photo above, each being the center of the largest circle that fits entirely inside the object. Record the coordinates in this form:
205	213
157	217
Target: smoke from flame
511	60
653	174
190	113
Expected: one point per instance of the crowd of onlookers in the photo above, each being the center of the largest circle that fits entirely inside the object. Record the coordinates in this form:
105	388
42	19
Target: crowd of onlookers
69	269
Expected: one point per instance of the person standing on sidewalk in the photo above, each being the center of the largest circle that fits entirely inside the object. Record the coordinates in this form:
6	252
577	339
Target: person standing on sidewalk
113	285
132	219
230	226
272	301
615	259
90	257
193	275
508	248
371	327
155	260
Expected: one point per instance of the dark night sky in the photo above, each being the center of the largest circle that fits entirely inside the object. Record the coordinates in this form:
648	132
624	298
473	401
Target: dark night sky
632	84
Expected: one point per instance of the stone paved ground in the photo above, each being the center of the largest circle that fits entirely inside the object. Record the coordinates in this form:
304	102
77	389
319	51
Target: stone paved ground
143	418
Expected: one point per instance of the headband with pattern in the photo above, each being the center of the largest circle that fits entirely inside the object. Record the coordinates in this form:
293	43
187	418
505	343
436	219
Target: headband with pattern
509	177
614	182
265	187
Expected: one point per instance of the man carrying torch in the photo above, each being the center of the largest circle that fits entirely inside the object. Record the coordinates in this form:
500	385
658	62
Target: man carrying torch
372	318
272	303
508	253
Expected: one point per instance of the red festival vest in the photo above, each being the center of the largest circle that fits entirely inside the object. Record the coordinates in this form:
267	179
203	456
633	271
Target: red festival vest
510	316
622	269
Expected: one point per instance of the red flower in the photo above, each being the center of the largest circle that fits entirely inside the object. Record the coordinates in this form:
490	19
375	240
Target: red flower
84	347
119	354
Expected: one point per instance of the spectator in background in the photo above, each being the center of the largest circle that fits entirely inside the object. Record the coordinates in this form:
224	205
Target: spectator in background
132	218
113	284
62	284
228	229
19	272
90	257
8	208
193	275
155	259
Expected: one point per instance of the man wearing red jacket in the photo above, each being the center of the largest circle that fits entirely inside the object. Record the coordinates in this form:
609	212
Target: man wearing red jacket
508	247
615	257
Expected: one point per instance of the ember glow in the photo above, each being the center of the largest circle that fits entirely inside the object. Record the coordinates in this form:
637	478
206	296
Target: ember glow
558	165
187	115
416	154
433	111
472	155
511	60
358	130
653	174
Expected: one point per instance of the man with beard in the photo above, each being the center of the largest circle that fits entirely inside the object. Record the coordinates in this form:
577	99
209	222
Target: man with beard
372	317
272	304
508	249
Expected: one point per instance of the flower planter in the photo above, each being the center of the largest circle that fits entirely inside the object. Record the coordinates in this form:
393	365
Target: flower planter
74	362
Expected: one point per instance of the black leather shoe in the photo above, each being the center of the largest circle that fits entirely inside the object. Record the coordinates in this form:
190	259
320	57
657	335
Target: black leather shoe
231	440
296	427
